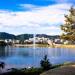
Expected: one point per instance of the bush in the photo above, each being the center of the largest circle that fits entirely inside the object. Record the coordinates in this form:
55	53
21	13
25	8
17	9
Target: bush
32	71
2	43
25	71
45	64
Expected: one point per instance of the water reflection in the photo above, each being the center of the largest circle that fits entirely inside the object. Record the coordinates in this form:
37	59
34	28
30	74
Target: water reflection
2	51
31	56
21	51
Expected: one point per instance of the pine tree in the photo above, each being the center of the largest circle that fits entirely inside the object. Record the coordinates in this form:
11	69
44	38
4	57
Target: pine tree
69	26
45	64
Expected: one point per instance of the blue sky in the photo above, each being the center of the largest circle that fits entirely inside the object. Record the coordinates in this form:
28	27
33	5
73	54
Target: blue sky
33	16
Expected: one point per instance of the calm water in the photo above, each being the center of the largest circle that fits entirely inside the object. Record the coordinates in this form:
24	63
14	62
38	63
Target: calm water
29	56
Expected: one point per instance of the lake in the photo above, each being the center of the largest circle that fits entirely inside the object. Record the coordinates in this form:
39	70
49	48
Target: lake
29	56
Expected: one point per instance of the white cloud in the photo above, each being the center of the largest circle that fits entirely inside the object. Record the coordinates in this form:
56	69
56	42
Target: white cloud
62	1
28	6
40	19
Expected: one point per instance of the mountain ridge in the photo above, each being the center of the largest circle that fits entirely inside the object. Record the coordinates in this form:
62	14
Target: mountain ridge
4	35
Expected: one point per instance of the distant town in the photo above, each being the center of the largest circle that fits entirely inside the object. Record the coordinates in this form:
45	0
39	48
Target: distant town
11	39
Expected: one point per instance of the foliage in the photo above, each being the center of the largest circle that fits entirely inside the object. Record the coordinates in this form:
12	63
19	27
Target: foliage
4	35
25	71
2	43
2	65
24	36
32	70
45	64
69	26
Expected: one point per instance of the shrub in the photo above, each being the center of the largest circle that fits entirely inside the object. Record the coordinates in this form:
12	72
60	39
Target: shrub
45	64
2	43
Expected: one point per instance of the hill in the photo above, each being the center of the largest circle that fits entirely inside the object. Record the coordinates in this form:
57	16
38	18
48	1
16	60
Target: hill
4	35
24	36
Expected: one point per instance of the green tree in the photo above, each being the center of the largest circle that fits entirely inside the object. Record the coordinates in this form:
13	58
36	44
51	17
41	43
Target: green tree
45	64
2	43
69	26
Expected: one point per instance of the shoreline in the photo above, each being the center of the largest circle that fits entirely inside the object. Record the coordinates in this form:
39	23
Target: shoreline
64	46
45	45
31	45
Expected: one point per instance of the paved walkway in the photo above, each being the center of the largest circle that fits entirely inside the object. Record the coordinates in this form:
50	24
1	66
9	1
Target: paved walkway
65	70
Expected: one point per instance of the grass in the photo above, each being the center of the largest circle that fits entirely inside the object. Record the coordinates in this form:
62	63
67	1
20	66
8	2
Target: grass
34	71
24	71
42	45
64	46
46	45
28	71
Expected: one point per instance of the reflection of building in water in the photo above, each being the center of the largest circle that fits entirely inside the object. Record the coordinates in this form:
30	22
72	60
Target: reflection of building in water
58	52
